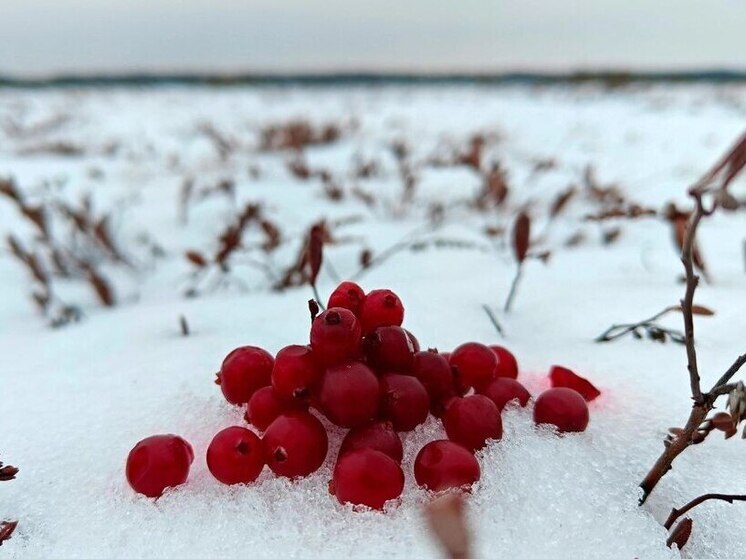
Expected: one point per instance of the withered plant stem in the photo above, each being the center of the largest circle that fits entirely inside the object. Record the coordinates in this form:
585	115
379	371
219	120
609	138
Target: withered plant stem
678	513
731	164
513	288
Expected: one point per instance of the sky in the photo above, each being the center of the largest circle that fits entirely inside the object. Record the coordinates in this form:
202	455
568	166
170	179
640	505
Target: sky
44	37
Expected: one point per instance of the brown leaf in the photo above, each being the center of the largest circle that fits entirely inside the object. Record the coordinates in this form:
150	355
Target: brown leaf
100	286
6	530
680	534
701	310
315	251
9	189
727	201
36	215
196	258
722	421
366	257
735	161
611	235
7	472
560	202
521	236
272	234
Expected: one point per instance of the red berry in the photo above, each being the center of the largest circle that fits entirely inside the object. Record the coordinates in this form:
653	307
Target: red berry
235	455
335	336
244	371
562	407
503	390
296	373
158	462
562	377
507	366
434	372
404	401
389	348
377	436
295	444
367	477
473	364
442	465
348	295
472	420
265	406
382	307
348	394
415	342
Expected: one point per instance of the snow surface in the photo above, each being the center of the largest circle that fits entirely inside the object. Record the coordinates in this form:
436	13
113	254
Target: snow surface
74	400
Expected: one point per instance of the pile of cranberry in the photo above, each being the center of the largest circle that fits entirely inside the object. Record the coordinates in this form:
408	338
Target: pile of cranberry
362	371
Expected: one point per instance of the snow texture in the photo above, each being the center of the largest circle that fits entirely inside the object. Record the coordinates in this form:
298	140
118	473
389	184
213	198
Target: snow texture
74	400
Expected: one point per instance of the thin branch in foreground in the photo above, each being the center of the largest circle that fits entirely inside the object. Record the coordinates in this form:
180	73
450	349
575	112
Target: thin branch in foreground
678	513
728	167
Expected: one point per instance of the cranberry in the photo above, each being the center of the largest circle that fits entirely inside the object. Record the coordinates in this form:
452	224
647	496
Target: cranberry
413	339
265	406
562	377
563	408
296	373
367	477
348	394
472	420
507	366
389	348
503	390
404	401
442	465
158	462
335	336
382	307
348	295
473	364
434	372
295	444
244	371
377	436
235	455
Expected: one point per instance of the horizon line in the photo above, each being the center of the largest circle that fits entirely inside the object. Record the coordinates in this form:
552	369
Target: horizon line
362	77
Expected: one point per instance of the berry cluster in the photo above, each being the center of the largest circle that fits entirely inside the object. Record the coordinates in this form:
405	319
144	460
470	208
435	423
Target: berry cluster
362	371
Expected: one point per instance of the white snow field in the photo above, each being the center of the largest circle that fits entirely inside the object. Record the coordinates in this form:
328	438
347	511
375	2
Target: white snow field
75	399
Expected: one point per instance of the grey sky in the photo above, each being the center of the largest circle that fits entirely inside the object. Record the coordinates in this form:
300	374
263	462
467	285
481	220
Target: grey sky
47	36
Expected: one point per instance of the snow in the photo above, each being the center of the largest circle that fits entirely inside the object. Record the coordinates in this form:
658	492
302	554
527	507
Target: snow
74	400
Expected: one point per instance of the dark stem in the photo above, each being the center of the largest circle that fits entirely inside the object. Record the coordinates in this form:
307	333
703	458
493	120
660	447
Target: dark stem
703	403
686	303
316	296
493	320
737	364
513	287
678	513
609	334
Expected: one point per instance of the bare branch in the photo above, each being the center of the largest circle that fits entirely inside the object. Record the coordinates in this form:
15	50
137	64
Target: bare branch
678	513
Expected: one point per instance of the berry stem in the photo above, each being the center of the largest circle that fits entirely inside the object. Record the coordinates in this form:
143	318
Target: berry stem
513	287
493	320
316	296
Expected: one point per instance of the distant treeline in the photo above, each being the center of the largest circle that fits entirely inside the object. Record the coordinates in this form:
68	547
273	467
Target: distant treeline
609	79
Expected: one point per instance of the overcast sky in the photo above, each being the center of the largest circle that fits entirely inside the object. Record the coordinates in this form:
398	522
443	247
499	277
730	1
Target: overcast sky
50	36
